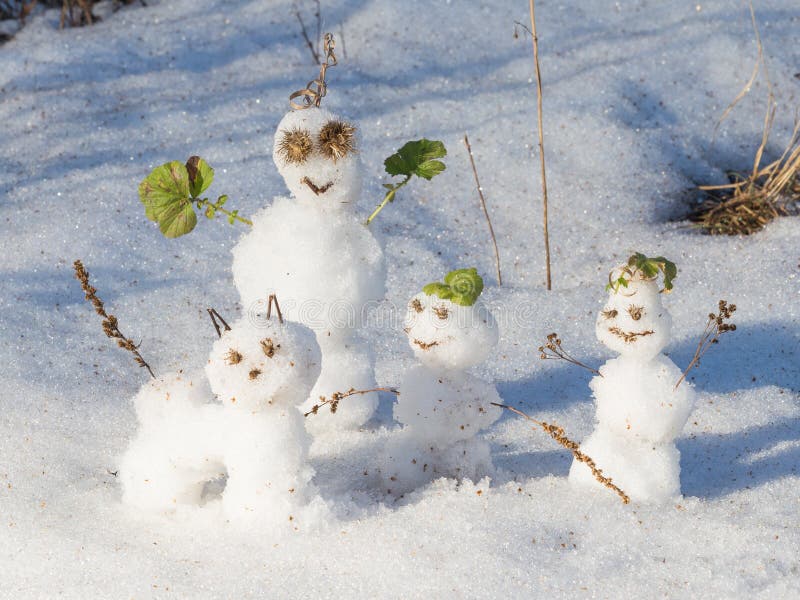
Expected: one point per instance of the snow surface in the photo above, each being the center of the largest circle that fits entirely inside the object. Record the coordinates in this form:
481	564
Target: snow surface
632	92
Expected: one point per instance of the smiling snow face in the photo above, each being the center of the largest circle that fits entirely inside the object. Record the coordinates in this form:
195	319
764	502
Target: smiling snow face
316	155
447	335
634	321
256	365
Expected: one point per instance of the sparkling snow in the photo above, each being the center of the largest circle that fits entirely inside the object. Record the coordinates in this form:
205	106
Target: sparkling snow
632	93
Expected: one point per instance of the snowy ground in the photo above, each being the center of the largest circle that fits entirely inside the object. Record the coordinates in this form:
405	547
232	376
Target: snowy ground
632	91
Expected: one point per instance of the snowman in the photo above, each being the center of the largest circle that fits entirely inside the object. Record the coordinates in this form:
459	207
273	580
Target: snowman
314	249
260	372
640	412
442	407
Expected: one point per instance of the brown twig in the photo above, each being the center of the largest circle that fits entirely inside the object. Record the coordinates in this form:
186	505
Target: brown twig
110	325
337	397
715	327
557	433
312	47
86	16
212	312
541	139
552	350
274	298
485	210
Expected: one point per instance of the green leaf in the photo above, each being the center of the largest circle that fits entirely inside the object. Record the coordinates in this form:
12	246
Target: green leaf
178	220
417	158
221	201
462	286
650	267
200	175
164	188
438	289
430	169
670	273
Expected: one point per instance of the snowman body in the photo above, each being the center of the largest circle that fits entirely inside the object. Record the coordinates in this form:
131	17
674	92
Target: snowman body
639	412
255	436
442	407
312	249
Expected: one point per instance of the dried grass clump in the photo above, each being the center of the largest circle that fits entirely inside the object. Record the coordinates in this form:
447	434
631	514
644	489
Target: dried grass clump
751	201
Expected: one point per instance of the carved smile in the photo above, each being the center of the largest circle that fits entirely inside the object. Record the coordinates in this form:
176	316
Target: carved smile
317	190
425	345
629	336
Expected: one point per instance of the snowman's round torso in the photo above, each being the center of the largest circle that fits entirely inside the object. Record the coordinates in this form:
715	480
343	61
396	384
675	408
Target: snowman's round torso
445	407
324	266
638	399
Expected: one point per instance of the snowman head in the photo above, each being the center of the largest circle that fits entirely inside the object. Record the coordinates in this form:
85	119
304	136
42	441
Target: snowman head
634	321
258	364
316	154
447	326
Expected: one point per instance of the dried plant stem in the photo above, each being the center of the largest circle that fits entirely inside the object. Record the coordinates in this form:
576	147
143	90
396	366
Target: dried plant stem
274	299
557	433
204	203
485	210
337	397
715	327
86	12
110	324
212	312
312	47
541	139
552	350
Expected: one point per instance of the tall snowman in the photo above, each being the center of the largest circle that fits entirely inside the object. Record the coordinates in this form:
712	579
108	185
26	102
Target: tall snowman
316	253
442	407
640	412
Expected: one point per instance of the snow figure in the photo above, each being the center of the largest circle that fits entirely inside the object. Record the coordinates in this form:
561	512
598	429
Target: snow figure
441	407
315	250
640	412
260	372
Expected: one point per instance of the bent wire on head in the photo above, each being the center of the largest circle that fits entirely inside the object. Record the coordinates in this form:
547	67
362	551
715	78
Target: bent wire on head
316	89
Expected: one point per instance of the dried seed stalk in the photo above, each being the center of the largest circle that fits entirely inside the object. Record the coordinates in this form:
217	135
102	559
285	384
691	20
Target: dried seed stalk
715	327
337	397
110	324
485	210
557	433
541	139
552	350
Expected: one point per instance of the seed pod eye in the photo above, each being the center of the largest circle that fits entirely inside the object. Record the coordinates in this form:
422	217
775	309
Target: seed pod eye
635	312
233	357
295	146
337	139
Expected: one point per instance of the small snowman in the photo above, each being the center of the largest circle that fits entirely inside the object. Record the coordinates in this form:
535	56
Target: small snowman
441	407
260	372
315	249
640	411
